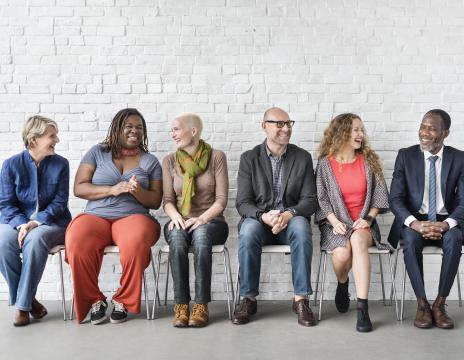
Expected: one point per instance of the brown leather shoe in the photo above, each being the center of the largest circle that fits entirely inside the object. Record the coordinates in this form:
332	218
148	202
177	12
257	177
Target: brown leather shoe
21	318
305	315
246	308
199	316
38	311
181	315
423	315
439	315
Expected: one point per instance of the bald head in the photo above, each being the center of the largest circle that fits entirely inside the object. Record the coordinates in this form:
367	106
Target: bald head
191	121
275	113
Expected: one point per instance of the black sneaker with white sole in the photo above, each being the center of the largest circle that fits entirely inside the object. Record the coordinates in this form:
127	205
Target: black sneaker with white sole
119	313
98	313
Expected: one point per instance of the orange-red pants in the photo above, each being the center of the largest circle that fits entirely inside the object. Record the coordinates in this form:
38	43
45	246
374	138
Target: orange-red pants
86	238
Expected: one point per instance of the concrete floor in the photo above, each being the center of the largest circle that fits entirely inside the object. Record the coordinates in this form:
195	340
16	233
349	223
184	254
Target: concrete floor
273	334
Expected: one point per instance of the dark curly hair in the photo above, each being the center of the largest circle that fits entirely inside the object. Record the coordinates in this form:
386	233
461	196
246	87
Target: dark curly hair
113	138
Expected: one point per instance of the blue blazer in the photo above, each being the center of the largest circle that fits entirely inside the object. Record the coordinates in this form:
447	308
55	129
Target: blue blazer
22	183
407	187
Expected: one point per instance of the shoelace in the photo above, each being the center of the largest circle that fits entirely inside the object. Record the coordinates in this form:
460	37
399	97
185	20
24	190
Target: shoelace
96	307
305	306
180	309
199	309
243	306
119	307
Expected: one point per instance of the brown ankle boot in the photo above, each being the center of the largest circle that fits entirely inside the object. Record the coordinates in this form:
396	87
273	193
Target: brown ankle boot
440	317
423	315
21	318
38	311
199	316
181	315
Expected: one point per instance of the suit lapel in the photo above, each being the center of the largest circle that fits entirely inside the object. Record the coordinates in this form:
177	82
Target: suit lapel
418	168
445	169
287	168
266	166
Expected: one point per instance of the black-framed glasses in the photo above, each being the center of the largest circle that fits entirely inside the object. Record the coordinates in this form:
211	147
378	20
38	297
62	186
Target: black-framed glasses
281	123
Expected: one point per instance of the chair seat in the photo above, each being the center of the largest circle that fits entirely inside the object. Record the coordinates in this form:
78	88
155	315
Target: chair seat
111	249
371	250
215	250
272	249
56	249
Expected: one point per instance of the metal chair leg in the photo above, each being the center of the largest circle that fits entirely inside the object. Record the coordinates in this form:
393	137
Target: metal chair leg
230	275
167	281
227	284
404	290
154	276
317	281
153	311
394	272
382	280
322	285
459	288
393	286
63	299
237	288
71	311
145	290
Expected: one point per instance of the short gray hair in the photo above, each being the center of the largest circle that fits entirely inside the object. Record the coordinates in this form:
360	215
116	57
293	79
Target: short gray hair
193	120
35	127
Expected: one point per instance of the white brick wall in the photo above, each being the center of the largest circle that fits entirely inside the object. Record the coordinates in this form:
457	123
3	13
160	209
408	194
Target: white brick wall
79	62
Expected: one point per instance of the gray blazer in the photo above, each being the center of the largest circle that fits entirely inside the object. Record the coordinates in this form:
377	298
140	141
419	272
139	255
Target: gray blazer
254	183
331	201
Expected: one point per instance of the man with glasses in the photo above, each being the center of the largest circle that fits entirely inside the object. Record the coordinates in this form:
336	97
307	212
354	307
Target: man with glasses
276	196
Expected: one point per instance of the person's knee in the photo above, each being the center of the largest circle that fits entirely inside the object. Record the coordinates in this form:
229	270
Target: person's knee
360	240
201	237
248	234
177	238
452	241
342	255
412	240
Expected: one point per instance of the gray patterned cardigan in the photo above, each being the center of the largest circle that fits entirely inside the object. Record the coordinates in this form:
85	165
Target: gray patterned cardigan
331	201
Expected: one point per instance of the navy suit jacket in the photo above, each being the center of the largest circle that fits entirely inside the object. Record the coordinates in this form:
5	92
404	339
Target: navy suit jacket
407	187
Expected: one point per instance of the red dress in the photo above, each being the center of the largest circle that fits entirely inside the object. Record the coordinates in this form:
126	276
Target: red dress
352	181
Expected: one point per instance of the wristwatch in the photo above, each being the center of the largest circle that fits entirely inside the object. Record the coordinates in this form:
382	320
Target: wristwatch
369	219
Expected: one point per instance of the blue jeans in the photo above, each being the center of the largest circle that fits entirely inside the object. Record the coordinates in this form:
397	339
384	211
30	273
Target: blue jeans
24	276
253	235
201	239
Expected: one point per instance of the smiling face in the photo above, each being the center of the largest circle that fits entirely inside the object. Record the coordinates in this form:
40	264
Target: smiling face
432	134
182	133
44	145
357	134
275	135
132	132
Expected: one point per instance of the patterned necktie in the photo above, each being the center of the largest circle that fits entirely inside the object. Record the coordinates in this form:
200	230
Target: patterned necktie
432	189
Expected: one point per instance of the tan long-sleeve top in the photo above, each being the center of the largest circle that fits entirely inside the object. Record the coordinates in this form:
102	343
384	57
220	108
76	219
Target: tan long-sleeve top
212	186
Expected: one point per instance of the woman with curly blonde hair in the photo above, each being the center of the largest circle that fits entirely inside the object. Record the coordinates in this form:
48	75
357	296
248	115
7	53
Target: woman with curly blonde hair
351	192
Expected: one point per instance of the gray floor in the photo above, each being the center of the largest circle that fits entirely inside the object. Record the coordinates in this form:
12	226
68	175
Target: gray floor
273	334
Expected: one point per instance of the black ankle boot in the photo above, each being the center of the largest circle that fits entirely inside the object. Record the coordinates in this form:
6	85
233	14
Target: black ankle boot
364	322
342	297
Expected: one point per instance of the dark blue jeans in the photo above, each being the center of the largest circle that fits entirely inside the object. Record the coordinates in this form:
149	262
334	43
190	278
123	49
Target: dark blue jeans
201	239
253	235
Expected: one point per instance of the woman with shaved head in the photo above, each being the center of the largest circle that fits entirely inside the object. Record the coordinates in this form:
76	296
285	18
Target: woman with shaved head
195	190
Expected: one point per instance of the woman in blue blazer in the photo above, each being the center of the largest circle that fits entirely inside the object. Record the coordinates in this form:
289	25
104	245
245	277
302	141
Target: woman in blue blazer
34	190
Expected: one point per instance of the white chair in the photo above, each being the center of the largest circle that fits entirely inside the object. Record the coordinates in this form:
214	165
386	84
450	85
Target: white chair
216	249
266	249
372	251
53	251
428	250
113	249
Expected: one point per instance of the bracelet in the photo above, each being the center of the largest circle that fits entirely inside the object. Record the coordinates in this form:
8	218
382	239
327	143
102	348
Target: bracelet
369	219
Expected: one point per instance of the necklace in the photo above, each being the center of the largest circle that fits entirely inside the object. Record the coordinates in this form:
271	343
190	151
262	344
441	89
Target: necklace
130	152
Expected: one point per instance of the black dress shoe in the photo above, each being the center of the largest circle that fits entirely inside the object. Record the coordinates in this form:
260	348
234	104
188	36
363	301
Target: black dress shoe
364	322
38	311
305	315
245	309
342	297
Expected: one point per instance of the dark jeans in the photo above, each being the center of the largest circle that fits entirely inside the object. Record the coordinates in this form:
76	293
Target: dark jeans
253	235
201	239
414	243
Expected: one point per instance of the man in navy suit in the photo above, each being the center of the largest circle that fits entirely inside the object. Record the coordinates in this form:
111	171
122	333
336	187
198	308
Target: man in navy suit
427	199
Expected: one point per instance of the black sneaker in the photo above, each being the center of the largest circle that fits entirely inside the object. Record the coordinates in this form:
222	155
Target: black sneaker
98	313
342	297
119	313
364	322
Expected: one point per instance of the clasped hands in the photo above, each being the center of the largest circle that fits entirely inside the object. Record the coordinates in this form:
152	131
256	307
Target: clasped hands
132	186
276	220
341	228
430	230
